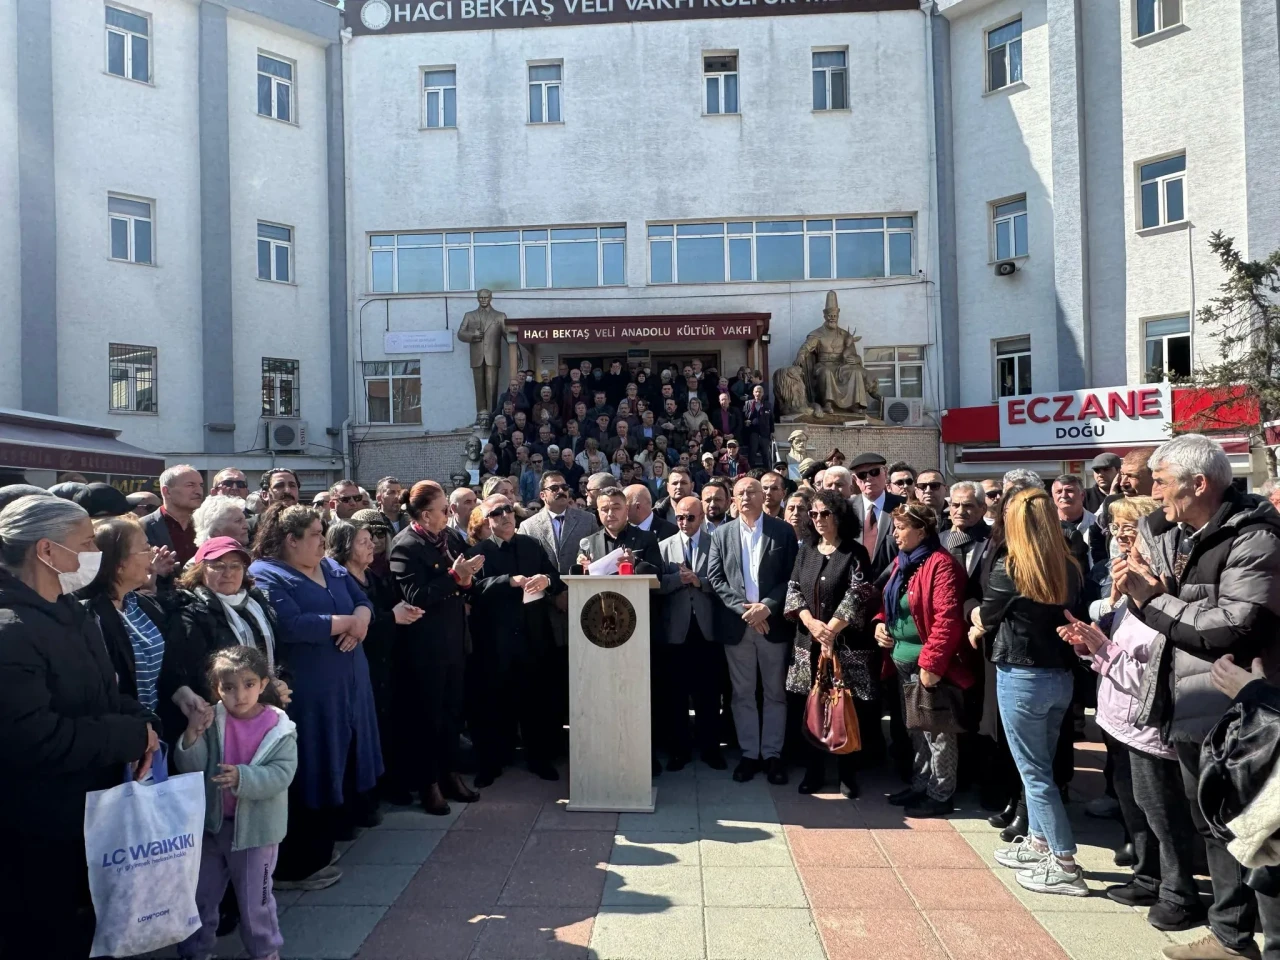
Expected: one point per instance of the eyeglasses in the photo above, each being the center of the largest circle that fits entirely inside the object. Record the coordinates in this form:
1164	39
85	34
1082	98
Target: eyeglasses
935	485
1123	530
867	474
904	482
500	511
994	494
686	517
555	487
238	484
819	514
349	498
537	461
225	566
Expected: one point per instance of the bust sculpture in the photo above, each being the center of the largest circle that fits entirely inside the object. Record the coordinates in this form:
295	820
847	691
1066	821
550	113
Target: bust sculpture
485	329
799	441
829	367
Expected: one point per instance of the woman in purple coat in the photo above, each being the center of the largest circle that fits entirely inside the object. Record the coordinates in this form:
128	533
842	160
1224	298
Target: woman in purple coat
323	617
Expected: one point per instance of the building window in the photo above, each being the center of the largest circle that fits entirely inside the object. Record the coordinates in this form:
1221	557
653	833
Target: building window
133	378
720	73
130	225
275	88
1009	228
1156	15
1004	55
898	371
517	259
280	388
1168	352
393	391
544	92
275	252
1013	367
830	80
440	98
780	250
128	45
1160	187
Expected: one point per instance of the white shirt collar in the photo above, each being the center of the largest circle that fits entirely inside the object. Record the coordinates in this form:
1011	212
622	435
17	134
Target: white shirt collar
878	503
692	541
646	523
747	526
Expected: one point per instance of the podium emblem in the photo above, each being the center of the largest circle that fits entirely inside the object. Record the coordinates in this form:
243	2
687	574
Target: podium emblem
608	619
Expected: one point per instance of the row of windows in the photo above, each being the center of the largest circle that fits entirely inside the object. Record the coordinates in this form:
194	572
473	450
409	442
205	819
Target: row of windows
128	35
133	374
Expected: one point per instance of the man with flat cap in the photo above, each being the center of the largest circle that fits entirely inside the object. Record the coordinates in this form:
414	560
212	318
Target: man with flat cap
873	504
1105	467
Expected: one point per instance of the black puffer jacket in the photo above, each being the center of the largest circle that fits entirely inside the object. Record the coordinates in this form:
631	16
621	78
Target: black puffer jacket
207	630
65	728
1026	631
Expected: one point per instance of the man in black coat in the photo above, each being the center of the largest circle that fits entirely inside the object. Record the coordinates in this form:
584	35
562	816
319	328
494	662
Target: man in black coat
617	531
874	502
513	646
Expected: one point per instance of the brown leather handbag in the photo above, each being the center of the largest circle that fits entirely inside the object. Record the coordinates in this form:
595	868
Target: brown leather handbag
830	720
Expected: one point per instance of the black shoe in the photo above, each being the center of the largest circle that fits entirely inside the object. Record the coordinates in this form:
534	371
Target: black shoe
1005	816
714	759
1125	856
678	761
344	833
747	768
905	797
398	797
544	771
812	782
1171	916
775	771
849	789
928	807
371	819
455	789
485	778
1017	827
1132	895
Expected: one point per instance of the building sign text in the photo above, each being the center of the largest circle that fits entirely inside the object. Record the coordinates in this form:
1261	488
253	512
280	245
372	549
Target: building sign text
1109	415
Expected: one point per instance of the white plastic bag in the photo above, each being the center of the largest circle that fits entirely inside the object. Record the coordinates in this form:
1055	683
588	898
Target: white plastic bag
143	843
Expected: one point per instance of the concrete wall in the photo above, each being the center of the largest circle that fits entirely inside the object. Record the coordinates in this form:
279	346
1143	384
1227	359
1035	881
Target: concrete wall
10	241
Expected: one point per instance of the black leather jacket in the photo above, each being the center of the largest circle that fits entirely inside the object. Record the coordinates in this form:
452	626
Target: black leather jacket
1025	632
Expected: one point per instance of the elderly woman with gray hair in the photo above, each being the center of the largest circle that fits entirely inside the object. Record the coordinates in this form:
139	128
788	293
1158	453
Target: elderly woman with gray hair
221	516
65	728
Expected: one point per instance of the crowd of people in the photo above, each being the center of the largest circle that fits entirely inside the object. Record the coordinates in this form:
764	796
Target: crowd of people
317	661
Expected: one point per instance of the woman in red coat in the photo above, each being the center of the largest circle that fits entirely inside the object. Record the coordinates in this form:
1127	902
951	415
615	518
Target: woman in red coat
922	625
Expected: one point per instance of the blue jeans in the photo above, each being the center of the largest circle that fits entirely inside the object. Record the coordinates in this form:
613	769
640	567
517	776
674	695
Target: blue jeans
1033	701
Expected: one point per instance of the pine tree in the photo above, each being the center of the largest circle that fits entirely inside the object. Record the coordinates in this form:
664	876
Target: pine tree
1244	323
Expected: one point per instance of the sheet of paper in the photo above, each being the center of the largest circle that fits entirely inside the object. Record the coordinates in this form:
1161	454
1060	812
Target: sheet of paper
605	565
530	597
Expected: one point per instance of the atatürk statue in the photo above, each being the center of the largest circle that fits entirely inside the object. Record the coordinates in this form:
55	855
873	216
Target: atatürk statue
485	329
829	367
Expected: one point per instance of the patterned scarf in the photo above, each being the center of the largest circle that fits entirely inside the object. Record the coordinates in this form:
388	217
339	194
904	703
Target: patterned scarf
907	565
438	540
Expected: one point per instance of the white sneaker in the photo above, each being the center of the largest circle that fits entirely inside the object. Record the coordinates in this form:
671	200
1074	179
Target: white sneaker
1020	855
1050	876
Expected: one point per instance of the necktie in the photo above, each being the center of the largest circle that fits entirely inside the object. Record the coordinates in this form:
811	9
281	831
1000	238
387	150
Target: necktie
688	553
869	530
559	525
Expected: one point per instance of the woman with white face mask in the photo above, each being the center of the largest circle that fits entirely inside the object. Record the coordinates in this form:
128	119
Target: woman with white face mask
65	728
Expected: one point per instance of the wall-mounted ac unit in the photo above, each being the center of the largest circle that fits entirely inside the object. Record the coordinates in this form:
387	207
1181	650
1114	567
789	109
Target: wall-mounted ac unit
286	436
903	411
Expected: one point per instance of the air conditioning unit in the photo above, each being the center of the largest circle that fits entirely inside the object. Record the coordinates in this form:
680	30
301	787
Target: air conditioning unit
903	411
286	436
1006	268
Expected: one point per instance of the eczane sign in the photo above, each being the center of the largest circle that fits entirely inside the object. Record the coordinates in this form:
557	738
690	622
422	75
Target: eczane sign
1103	416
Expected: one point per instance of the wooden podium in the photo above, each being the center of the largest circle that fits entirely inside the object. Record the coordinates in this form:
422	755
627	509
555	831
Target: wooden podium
610	739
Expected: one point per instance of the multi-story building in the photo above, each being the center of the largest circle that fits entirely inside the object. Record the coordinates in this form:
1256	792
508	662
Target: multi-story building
172	225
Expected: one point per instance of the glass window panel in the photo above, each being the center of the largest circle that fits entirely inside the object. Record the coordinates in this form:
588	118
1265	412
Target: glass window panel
573	233
407	399
142	241
1170	13
127	21
264	259
818	224
1163	328
613	232
433	108
1155	361
820	258
451	107
1179	356
382	267
553	103
862	223
534	235
399	368
141	63
819	90
574	265
699	229
1015	61
899	254
1004	240
615	273
275	67
1146	17
1024	373
731	93
535	265
780	258
535	103
740	258
378	400
911	380
886	378
385	240
910	353
460	269
902	221
457	238
1020	236
996	69
1002	35
1173	200
661	230
119	239
418	239
1013	345
779	226
375	368
1151	204
282	264
264	95
713	94
115	52
700	260
497	267
879	354
497	236
134	208
1162	168
550	71
1010	208
741	228
723	64
839	90
273	232
660	261
282	101
440	78
859	255
828	58
421	269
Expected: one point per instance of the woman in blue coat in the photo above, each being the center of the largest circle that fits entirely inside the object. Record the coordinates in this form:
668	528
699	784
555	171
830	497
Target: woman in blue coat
324	616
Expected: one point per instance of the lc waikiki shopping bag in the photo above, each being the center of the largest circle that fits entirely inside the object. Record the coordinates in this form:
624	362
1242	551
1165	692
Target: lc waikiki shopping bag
143	844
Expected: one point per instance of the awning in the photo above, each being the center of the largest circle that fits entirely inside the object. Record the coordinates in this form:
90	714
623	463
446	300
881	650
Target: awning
33	441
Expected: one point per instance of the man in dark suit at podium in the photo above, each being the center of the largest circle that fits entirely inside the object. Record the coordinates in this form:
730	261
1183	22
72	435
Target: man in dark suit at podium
618	531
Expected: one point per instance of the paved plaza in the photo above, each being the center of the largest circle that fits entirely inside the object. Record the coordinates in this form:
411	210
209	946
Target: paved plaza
721	871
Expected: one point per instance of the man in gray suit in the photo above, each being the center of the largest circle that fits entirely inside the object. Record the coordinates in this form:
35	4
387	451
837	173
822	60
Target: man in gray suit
559	527
749	569
689	659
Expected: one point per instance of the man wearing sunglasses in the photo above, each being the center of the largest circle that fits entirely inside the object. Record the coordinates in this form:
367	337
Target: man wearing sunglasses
229	482
873	504
931	490
559	527
345	499
993	492
902	477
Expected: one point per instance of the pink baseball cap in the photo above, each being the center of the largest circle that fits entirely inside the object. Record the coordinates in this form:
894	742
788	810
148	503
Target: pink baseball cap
216	547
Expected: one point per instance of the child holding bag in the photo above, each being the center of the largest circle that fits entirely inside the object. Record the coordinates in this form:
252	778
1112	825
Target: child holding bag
249	754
